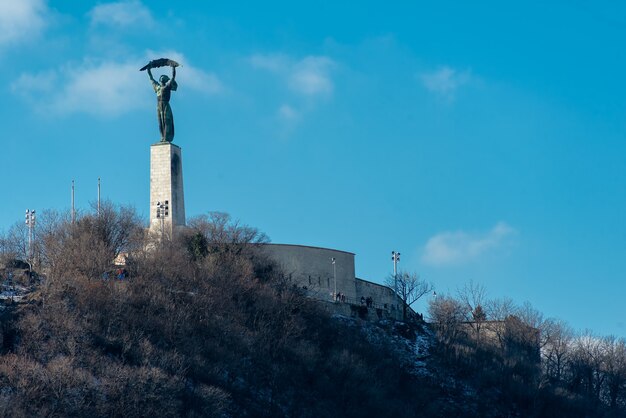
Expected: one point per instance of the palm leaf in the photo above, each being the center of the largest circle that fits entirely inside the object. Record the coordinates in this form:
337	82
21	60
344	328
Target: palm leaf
161	62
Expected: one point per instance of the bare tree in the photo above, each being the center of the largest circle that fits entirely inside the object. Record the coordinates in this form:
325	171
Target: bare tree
92	242
555	353
118	227
498	310
15	242
410	287
49	224
473	297
6	250
218	237
586	365
220	229
536	323
446	313
615	369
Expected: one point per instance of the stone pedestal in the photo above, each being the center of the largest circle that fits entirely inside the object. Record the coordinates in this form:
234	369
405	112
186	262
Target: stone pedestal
166	188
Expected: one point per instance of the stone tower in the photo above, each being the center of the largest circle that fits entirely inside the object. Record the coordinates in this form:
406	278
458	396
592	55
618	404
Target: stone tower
167	198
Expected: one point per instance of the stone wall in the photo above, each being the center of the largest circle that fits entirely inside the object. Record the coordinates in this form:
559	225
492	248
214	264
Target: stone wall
382	296
311	268
363	312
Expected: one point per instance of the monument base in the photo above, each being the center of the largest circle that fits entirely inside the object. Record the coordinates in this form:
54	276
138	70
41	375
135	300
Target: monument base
167	199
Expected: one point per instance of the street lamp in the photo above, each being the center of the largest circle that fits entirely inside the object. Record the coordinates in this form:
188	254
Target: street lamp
395	257
31	219
332	259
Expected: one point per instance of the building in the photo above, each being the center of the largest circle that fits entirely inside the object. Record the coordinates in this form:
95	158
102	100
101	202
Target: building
328	275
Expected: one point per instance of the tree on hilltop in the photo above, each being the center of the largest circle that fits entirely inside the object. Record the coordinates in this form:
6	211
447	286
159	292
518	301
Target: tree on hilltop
473	297
410	288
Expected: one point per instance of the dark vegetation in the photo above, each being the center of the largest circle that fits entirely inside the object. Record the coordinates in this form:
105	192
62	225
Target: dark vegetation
520	361
203	325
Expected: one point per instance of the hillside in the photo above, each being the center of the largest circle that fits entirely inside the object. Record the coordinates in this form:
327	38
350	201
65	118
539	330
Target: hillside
203	325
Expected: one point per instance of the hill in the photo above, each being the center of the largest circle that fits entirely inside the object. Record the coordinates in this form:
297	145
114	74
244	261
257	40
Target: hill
204	325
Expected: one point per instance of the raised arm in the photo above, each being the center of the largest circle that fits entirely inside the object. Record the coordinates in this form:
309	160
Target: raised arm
150	75
173	73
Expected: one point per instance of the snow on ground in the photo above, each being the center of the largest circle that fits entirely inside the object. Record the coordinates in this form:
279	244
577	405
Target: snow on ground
412	343
11	295
14	293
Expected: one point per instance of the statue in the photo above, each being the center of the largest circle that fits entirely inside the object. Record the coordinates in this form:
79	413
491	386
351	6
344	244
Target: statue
163	90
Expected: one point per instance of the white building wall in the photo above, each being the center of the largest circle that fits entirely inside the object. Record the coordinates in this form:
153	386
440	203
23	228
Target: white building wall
312	268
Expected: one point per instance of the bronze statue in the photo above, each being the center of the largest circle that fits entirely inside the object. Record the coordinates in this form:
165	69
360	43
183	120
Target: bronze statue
163	90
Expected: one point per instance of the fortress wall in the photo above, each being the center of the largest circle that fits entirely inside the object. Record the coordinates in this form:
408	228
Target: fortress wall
381	295
311	267
357	311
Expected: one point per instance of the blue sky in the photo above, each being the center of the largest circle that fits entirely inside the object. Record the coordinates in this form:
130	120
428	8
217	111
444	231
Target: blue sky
483	141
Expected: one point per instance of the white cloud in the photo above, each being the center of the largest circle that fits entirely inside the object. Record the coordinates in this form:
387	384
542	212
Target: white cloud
445	81
121	14
42	82
288	113
106	89
276	63
459	246
308	79
309	76
21	19
102	88
201	81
